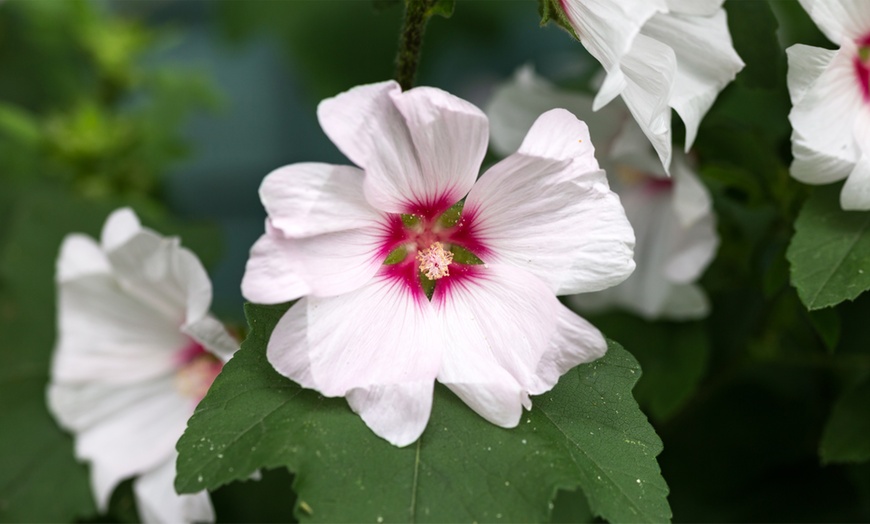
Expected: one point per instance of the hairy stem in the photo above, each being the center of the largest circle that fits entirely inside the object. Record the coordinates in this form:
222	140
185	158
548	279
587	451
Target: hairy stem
411	41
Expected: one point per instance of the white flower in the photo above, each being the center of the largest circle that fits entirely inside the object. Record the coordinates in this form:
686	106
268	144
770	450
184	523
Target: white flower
658	54
363	245
673	218
830	92
136	351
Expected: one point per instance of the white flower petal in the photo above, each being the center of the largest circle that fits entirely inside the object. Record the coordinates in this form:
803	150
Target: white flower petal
856	191
158	503
121	226
564	226
212	335
559	135
575	342
650	69
517	104
397	413
121	430
310	199
840	20
823	141
685	302
105	334
805	65
495	325
80	256
695	7
607	28
281	269
380	334
450	136
706	62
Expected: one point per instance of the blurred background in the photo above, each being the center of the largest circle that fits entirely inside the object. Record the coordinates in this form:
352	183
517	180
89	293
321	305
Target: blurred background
181	107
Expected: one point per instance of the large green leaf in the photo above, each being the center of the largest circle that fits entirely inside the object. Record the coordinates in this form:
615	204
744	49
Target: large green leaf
847	433
587	432
830	251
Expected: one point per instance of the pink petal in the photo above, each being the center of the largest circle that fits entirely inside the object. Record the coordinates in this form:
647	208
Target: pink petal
450	136
826	101
572	233
312	199
397	413
281	269
496	322
559	135
381	334
575	342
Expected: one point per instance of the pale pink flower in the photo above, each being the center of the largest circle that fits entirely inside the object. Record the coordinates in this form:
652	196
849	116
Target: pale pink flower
361	245
136	351
658	54
830	92
673	218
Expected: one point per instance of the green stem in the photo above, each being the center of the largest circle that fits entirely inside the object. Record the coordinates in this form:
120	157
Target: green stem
411	41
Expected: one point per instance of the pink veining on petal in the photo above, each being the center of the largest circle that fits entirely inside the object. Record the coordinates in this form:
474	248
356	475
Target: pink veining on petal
460	277
468	234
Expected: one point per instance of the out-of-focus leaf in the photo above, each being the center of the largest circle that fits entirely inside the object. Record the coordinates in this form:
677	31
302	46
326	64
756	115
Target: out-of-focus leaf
847	433
827	324
753	30
587	432
443	8
830	251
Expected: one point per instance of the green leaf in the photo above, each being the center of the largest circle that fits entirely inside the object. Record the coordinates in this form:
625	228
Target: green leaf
673	356
586	432
827	324
845	438
830	250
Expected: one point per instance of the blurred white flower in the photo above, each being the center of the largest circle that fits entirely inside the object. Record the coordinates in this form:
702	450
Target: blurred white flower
658	54
830	94
136	351
394	294
673	218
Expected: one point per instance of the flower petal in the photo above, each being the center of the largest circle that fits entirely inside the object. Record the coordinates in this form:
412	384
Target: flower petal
496	322
105	334
607	28
122	430
518	103
397	413
575	342
840	20
564	226
158	502
310	199
695	7
823	138
281	269
450	136
650	69
856	191
706	62
121	226
379	334
559	135
691	199
80	256
212	335
368	128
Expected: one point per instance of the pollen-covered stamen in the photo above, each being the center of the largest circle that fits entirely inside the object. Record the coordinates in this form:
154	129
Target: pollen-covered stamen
435	261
